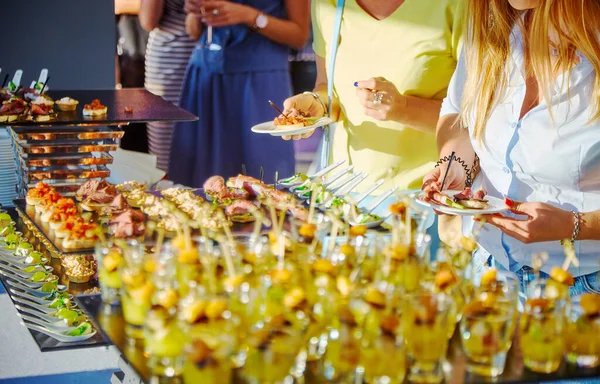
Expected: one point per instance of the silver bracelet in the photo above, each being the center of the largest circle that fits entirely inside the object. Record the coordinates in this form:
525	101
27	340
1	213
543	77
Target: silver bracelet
316	96
577	225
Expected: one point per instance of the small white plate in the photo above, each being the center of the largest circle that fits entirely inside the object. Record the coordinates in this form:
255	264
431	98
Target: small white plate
495	205
270	128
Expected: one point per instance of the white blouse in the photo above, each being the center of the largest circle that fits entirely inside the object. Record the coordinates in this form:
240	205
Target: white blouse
537	158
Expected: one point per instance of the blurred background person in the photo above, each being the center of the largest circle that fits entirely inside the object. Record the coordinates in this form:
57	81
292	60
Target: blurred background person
240	62
394	62
131	47
167	55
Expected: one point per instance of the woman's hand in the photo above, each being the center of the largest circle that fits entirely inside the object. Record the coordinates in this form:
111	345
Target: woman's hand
455	180
220	13
544	222
305	104
380	99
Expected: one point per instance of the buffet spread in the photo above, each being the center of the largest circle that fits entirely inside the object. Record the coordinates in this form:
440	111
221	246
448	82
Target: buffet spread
242	281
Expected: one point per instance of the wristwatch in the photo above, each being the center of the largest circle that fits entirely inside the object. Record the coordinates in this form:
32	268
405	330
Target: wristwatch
261	21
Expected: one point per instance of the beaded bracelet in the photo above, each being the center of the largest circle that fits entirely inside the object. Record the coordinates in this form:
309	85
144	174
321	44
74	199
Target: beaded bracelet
470	172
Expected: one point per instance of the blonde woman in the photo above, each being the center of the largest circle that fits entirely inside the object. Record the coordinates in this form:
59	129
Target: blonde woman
387	90
527	93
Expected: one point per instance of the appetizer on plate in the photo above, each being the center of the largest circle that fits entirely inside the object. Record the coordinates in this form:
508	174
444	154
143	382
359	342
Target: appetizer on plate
463	200
12	109
81	235
218	191
67	104
241	211
472	200
41	109
94	109
35	195
128	224
291	122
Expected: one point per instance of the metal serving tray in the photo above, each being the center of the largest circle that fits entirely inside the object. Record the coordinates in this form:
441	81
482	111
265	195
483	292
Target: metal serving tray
63	173
92	158
144	107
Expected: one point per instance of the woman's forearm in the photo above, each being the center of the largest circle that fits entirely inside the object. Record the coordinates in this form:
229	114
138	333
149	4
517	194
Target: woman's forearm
293	31
453	137
321	89
150	13
420	114
590	226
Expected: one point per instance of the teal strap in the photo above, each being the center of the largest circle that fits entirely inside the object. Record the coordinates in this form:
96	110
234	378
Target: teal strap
328	134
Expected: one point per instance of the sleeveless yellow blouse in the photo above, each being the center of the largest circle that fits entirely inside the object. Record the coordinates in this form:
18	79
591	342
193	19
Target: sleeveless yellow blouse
416	48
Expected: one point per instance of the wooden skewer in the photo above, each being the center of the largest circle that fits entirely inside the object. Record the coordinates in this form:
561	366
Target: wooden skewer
159	240
408	226
277	109
101	236
571	257
313	199
228	260
188	236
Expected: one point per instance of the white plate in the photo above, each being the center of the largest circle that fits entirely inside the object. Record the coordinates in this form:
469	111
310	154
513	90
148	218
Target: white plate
269	127
495	205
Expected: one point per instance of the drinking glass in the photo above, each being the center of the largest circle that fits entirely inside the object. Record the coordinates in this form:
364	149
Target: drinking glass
488	324
583	331
163	336
136	289
109	259
425	319
542	329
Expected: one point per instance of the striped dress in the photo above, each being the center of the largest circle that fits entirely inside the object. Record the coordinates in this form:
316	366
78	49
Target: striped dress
167	55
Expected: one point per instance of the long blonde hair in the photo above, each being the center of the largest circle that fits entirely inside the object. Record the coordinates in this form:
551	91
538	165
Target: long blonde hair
575	25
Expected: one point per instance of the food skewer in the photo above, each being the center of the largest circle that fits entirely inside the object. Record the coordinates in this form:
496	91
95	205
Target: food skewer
571	257
313	199
5	80
277	109
276	179
447	170
408	225
228	260
44	86
262	174
244	169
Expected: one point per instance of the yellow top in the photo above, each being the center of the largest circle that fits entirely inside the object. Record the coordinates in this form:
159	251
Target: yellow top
416	48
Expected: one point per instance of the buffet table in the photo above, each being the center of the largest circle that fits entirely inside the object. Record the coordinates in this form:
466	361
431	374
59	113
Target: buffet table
109	320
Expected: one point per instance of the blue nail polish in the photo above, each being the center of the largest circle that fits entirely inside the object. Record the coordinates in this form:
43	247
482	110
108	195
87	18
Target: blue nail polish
356	83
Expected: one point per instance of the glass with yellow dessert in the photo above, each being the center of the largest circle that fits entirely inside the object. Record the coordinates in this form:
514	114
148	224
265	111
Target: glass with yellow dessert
163	336
277	326
488	323
583	331
109	259
425	320
212	336
542	328
136	288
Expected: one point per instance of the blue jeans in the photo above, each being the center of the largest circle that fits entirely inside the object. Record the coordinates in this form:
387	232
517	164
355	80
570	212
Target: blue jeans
583	284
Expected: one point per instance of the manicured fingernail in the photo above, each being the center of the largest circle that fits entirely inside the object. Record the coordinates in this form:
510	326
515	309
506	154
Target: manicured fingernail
476	218
509	202
356	83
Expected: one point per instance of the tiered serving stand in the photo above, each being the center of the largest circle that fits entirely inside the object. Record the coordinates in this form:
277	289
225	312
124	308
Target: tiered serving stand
66	152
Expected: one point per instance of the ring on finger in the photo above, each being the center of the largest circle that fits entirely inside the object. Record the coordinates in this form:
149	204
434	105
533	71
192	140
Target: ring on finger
215	12
377	98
